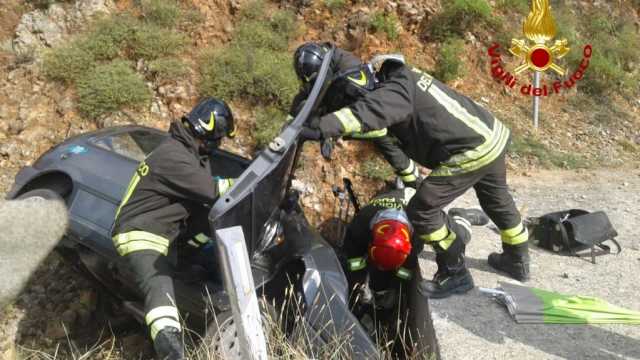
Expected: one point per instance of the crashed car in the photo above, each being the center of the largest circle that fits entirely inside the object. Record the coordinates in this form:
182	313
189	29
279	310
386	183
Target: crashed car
90	173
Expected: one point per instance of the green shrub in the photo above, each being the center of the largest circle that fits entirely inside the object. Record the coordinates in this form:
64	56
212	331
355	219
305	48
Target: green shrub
460	16
110	87
269	123
284	22
108	37
335	5
385	23
165	13
67	63
259	34
519	6
151	42
168	69
262	75
449	65
377	169
256	64
254	9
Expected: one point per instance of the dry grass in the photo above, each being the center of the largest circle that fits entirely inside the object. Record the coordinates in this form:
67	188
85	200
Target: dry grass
295	345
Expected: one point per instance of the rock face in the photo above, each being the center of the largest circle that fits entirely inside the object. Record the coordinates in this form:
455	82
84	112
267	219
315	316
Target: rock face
47	27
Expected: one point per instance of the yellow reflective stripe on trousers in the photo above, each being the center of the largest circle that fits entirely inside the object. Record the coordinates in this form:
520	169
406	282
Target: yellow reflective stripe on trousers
133	241
160	317
161	324
349	121
457	110
442	237
133	183
472	161
370	135
437	235
516	235
159	312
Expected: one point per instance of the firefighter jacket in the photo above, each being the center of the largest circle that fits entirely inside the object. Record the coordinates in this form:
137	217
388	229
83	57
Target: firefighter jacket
171	183
435	126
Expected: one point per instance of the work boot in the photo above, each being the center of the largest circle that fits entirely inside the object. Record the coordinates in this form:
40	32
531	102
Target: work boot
475	217
514	261
449	279
445	284
168	344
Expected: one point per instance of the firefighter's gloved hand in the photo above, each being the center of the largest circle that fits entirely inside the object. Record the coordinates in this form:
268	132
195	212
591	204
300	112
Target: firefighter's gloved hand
309	133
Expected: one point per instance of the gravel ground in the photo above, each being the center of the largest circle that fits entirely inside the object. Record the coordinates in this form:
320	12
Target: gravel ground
474	326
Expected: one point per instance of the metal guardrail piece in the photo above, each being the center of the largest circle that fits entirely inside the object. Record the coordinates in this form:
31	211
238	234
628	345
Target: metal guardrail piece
239	284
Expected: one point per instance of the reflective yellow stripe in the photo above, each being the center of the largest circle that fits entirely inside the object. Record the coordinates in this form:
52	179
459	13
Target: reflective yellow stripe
202	238
476	158
130	188
481	150
370	135
161	311
410	169
356	264
444	244
457	110
349	121
437	235
516	235
140	240
161	324
404	273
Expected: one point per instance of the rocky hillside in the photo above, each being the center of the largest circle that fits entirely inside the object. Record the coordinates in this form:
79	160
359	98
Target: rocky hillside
69	67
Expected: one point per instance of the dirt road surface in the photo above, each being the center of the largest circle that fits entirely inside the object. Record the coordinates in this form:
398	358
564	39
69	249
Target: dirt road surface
474	326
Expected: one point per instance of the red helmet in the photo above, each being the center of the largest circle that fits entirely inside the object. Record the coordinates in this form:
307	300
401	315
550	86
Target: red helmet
391	241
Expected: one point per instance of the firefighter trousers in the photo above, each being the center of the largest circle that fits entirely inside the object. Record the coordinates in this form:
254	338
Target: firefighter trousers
153	275
447	235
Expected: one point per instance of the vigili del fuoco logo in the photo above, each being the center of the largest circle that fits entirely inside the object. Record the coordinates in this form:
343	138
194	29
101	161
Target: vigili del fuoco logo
539	28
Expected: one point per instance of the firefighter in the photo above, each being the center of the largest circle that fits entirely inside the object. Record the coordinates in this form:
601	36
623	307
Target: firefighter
464	146
378	246
351	80
171	185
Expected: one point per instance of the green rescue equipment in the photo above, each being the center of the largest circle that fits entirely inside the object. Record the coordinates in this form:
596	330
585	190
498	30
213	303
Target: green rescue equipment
537	306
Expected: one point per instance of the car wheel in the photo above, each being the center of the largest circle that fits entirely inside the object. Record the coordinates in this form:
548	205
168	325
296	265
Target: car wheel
40	195
221	338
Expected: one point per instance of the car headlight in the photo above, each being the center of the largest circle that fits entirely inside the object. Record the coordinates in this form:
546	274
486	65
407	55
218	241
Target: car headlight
271	234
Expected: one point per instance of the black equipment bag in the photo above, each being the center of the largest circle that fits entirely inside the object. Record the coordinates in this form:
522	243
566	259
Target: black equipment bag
574	230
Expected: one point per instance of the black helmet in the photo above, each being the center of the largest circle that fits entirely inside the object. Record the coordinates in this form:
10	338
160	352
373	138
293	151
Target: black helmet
307	61
211	120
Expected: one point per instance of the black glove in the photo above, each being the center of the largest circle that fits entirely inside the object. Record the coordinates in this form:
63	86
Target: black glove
308	133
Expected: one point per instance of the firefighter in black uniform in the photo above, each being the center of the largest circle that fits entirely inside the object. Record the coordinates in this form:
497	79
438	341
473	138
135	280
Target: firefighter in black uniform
463	144
351	80
171	185
374	249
